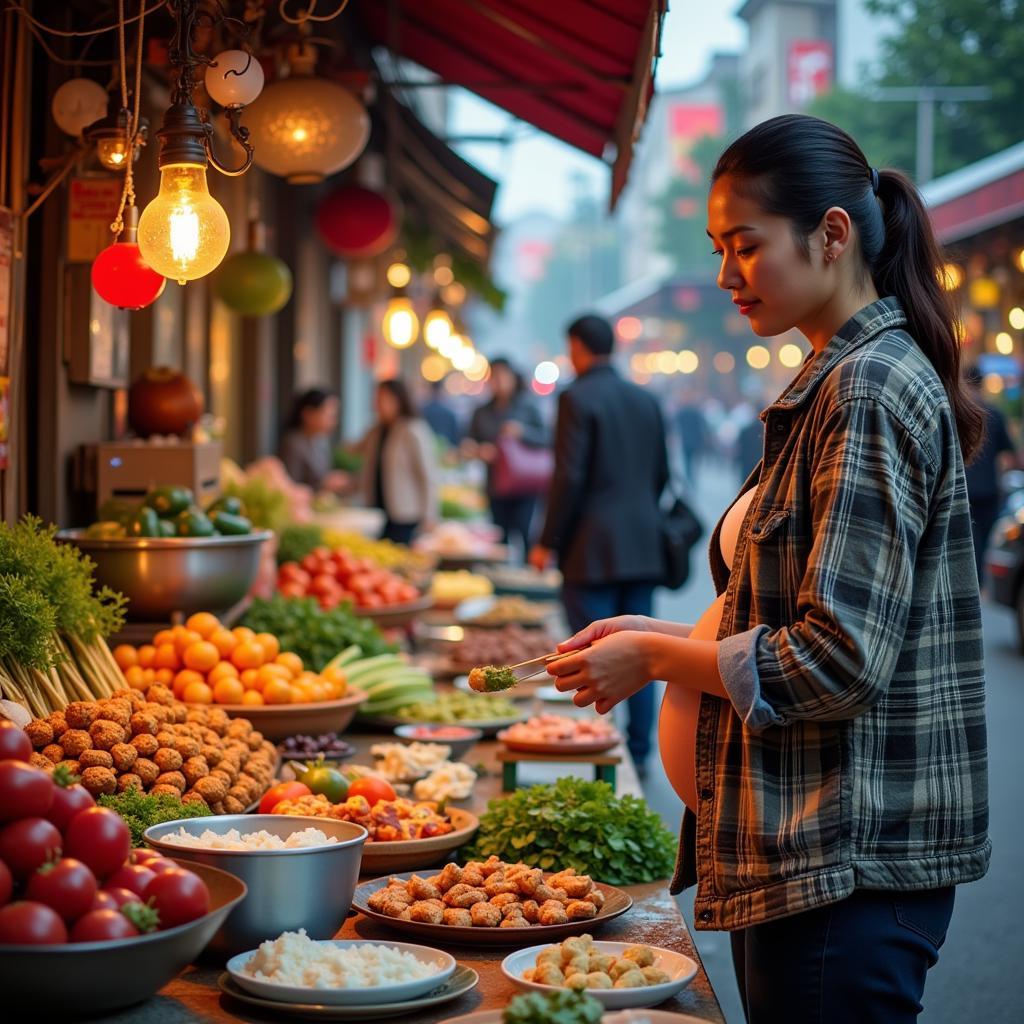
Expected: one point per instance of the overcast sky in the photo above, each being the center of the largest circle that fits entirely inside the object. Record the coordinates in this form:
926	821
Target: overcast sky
536	171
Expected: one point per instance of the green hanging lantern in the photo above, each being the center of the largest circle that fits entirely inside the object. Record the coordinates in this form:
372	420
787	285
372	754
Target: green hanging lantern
253	283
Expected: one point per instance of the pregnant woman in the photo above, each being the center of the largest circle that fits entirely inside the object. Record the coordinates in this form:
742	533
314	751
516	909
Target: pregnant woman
824	719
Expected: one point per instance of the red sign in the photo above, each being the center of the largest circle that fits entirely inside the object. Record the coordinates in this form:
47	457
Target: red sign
92	206
689	122
809	70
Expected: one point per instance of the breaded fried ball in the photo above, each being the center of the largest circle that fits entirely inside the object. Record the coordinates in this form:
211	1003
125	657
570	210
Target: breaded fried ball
175	779
75	741
143	723
105	733
99	781
146	744
146	770
80	714
38	760
53	752
40	732
96	759
129	781
124	756
168	759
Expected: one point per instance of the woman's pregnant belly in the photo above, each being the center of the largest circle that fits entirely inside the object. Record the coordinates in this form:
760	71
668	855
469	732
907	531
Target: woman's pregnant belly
677	725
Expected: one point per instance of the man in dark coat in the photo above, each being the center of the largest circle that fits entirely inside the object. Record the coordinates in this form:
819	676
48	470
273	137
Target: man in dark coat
603	519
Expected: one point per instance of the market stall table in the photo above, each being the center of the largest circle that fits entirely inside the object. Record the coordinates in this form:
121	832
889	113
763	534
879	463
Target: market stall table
654	919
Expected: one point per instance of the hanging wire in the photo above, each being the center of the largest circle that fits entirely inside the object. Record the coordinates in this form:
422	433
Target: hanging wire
308	14
23	11
128	192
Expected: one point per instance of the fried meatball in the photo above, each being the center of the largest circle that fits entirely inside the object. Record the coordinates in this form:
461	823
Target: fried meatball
75	741
119	711
159	694
96	759
179	711
167	759
175	779
166	738
124	756
515	921
165	790
192	797
99	781
105	733
254	740
40	732
485	915
38	760
187	746
80	714
239	728
458	918
71	765
194	769
129	781
146	744
58	723
211	789
143	724
53	752
146	770
233	805
428	913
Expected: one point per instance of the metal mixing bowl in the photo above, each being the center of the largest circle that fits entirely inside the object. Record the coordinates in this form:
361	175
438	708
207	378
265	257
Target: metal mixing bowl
164	575
52	982
307	888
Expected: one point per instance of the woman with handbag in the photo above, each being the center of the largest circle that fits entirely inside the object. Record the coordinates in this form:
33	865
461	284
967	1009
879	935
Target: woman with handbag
504	427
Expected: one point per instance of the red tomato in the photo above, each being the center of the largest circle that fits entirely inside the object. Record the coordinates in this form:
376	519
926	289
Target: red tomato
25	792
323	553
121	896
31	924
312	564
282	791
329	601
371	601
324	584
103	926
360	583
178	897
14	742
144	854
100	838
66	886
67	802
104	901
372	790
160	865
26	844
292	572
291	590
6	883
408	593
134	877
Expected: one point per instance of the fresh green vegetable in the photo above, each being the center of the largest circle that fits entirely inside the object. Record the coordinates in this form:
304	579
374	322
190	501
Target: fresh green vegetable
169	501
456	510
167	528
230	525
563	1007
459	707
322	778
315	635
296	541
265	506
28	624
227	503
347	460
106	529
193	522
581	825
145	523
140	810
117	510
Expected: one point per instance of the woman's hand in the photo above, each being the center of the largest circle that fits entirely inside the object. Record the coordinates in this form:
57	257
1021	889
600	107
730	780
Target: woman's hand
614	667
605	627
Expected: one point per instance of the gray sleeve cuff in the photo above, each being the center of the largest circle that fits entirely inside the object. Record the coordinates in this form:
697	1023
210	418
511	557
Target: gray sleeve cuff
737	665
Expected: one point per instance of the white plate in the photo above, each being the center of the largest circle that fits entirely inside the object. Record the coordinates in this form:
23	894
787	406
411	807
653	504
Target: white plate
391	993
622	1017
681	969
552	696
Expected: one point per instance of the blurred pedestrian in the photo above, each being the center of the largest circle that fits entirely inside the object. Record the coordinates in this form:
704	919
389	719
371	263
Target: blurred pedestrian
510	412
997	454
306	447
603	519
400	473
440	416
749	446
693	436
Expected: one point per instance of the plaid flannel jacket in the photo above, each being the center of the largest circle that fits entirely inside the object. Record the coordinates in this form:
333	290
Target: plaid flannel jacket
853	751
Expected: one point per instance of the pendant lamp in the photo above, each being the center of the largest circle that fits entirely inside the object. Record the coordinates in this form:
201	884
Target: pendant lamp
121	276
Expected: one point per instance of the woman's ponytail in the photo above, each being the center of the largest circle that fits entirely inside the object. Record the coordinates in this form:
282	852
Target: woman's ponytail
910	266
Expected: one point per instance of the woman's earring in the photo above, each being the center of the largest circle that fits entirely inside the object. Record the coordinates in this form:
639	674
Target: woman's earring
829	256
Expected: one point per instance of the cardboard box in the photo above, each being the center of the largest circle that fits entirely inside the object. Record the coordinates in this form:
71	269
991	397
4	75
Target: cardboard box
127	470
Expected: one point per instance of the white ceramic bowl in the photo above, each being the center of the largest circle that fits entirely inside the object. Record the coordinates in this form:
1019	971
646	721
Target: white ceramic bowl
680	968
391	993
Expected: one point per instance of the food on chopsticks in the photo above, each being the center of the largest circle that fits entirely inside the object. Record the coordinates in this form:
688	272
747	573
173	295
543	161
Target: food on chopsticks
511	609
578	824
507	645
336	577
492	679
203	662
567	1006
233	839
387	821
156	744
53	621
297	960
449	708
490	894
576	963
559	729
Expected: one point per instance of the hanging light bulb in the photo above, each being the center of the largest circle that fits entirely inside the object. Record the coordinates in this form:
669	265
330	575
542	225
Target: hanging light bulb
437	325
121	276
78	103
234	78
110	136
401	325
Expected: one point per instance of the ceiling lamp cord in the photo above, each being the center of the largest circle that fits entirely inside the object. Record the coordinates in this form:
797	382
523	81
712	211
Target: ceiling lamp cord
128	192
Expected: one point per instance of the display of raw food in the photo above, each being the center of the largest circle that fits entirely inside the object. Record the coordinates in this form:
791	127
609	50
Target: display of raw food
336	577
559	729
508	645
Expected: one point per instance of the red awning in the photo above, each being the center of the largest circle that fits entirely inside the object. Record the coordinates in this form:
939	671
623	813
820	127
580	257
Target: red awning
581	70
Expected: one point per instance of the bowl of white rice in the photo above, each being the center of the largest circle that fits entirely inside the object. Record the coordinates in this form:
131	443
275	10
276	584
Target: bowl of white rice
300	872
294	968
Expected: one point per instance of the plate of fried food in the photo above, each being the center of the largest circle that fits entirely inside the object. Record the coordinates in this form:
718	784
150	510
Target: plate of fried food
491	903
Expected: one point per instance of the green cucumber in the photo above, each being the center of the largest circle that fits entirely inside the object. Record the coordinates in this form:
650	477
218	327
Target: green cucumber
345	657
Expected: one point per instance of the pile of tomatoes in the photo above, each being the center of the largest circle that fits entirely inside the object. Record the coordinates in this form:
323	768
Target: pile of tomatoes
336	576
67	869
204	662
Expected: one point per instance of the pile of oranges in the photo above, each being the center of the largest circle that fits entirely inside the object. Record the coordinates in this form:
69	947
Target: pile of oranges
203	662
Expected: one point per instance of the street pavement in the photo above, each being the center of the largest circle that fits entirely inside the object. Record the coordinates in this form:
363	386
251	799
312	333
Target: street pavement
979	971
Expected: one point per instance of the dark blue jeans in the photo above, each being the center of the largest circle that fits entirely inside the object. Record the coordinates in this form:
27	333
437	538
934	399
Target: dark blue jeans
586	603
860	961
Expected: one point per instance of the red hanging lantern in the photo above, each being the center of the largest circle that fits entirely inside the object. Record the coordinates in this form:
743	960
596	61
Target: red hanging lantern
121	276
356	222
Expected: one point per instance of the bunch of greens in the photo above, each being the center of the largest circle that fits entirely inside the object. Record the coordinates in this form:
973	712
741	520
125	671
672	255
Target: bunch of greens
451	509
347	460
577	824
565	1006
297	540
315	635
140	810
265	506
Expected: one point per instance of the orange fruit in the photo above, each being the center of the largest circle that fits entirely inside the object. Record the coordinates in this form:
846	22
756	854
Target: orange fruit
252	697
201	656
149	674
145	654
186	676
135	677
203	623
241	633
334	673
291	661
269	672
166	657
248	654
277	691
197	693
125	655
185	638
224	640
165	636
164	676
252	680
222	670
229	691
335	689
319	691
270	644
302	693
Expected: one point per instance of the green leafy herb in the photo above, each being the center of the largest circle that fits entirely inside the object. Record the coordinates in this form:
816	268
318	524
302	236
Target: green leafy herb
27	625
140	810
313	634
297	540
577	824
563	1007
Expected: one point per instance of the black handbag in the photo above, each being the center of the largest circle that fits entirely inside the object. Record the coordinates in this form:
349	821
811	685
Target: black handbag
680	530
